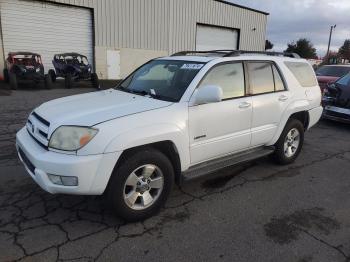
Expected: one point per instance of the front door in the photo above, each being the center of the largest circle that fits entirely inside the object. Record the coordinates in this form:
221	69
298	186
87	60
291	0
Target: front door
222	128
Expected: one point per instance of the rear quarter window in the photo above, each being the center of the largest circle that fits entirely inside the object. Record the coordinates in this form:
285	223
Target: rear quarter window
303	73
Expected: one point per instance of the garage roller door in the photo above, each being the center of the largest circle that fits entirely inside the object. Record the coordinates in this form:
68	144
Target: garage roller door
46	29
215	38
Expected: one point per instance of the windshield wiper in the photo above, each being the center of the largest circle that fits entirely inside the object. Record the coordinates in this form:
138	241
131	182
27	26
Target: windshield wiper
145	93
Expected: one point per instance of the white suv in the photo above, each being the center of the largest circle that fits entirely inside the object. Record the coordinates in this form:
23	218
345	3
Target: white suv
173	119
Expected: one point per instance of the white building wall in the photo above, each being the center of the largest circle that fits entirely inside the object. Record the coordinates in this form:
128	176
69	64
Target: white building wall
165	26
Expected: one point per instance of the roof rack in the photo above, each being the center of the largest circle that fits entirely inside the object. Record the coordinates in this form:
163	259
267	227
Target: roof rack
230	53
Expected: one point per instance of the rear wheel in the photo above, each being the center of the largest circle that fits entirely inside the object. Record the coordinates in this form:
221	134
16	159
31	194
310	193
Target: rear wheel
6	75
68	81
13	81
140	185
290	143
52	73
95	81
48	81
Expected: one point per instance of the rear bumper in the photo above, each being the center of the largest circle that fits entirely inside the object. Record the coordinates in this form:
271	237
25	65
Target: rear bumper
315	116
93	171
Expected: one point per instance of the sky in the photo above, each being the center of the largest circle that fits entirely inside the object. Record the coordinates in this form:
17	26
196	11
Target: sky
293	19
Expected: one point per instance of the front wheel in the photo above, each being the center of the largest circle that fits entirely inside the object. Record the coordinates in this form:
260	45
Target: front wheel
68	81
48	81
6	75
95	81
290	143
140	185
52	73
13	81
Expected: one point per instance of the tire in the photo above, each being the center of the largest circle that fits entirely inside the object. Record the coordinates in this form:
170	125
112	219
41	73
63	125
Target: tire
48	81
13	81
52	73
95	81
118	190
6	76
68	81
287	151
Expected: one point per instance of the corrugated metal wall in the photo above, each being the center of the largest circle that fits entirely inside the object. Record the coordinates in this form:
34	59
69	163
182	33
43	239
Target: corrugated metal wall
169	24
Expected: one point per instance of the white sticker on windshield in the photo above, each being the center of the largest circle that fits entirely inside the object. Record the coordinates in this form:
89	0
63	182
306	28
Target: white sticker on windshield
192	66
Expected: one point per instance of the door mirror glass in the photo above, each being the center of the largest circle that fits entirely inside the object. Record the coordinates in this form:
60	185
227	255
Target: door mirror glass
208	94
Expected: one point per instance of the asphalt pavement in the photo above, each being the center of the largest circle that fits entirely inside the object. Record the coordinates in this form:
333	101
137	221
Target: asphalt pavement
258	211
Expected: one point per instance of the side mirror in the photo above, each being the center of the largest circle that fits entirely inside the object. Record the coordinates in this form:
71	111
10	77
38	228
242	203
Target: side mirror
207	94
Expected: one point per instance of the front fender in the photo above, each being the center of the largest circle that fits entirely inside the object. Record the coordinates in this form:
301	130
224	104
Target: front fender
152	134
295	107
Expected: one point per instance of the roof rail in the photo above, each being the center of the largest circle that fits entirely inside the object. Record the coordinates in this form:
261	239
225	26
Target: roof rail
229	53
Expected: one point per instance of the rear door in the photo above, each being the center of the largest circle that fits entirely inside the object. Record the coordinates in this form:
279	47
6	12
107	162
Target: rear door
269	97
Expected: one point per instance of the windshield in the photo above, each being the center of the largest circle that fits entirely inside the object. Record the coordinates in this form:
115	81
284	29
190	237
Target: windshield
26	60
162	79
336	71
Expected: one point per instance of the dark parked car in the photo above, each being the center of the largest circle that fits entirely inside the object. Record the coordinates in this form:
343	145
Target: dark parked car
73	67
330	73
25	66
336	100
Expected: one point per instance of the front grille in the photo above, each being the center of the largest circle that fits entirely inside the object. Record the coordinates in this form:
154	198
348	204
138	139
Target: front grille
38	129
42	120
26	161
43	134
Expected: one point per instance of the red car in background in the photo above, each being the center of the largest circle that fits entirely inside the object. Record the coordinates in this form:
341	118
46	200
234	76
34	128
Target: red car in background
330	73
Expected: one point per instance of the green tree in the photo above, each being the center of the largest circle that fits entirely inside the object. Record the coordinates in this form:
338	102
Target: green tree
268	45
344	50
302	47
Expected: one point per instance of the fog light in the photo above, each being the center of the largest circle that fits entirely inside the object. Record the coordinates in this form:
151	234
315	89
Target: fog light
55	179
63	180
69	180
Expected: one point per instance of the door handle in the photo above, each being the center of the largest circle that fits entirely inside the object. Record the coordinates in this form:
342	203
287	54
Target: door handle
244	105
283	98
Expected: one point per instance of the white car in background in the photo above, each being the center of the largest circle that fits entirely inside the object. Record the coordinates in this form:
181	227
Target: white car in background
173	119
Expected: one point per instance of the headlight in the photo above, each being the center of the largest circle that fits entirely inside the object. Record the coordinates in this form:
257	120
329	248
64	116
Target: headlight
38	70
71	138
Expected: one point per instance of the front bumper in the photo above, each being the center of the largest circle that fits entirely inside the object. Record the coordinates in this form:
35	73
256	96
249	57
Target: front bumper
31	76
336	116
93	171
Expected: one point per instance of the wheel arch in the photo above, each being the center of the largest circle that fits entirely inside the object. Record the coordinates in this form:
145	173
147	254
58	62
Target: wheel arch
167	147
303	117
297	113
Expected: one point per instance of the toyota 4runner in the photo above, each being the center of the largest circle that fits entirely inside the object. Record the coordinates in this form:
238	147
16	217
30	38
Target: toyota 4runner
173	119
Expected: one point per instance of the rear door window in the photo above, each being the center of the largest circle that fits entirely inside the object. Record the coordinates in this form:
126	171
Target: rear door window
303	72
261	78
279	84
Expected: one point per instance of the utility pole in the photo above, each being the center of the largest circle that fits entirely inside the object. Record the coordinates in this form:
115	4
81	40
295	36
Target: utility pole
330	38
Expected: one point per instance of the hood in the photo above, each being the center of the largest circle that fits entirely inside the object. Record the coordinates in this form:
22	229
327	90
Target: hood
96	107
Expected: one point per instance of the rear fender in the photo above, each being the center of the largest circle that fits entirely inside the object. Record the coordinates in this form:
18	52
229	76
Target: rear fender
295	107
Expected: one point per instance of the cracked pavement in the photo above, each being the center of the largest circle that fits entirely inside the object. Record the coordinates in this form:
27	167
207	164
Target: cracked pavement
254	212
